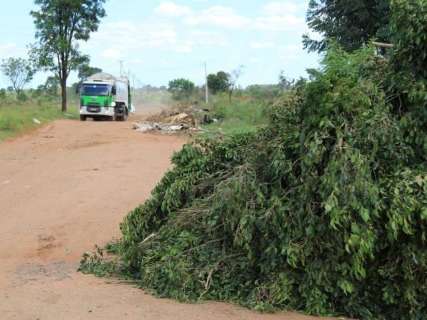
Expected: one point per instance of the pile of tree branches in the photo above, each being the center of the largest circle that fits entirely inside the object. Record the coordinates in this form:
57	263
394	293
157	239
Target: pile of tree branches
323	211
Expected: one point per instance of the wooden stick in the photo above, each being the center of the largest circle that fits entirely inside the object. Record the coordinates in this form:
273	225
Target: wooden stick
383	44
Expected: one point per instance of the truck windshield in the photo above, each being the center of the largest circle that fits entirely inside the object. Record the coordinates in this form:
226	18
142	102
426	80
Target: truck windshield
95	90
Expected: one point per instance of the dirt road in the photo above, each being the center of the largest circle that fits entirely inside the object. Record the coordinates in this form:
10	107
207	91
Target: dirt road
63	189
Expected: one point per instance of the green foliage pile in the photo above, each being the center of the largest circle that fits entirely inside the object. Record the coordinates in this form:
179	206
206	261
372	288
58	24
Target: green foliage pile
323	211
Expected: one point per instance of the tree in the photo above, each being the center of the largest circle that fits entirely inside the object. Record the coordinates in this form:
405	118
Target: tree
18	71
406	81
60	24
181	88
219	82
284	82
233	78
85	71
409	34
351	23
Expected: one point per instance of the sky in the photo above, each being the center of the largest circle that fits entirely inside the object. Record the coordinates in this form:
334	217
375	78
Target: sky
162	40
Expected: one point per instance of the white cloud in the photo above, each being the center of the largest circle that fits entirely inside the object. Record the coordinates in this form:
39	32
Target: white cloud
280	8
112	54
184	47
274	16
171	9
279	23
129	40
128	36
209	38
218	16
262	44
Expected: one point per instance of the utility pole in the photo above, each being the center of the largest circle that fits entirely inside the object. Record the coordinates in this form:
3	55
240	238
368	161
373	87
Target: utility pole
206	84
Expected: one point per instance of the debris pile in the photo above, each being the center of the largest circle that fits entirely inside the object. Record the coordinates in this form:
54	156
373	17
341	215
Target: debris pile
175	120
163	127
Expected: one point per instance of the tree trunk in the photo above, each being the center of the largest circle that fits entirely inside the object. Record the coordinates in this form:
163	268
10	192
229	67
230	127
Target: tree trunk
64	95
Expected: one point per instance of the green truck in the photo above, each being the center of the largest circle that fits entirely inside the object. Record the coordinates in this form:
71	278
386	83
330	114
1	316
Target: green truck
103	96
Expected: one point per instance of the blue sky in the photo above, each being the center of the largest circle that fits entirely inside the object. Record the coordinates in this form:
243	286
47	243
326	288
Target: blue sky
162	40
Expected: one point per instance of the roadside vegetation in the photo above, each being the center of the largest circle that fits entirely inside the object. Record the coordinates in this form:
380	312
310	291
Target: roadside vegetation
322	209
19	115
246	110
15	120
243	115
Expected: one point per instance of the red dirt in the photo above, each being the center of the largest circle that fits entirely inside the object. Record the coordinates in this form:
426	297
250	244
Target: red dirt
63	189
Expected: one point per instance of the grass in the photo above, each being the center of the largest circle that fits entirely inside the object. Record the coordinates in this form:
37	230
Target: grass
16	119
242	115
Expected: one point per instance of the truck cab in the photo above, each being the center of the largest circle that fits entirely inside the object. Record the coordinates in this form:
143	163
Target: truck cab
102	96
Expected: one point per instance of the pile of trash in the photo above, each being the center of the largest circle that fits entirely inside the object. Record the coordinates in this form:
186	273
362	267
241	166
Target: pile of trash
179	122
172	121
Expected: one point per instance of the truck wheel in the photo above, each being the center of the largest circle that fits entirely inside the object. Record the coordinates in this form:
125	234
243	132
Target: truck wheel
122	118
82	118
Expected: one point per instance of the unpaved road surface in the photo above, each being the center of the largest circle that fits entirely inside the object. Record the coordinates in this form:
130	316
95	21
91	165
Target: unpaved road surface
63	189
